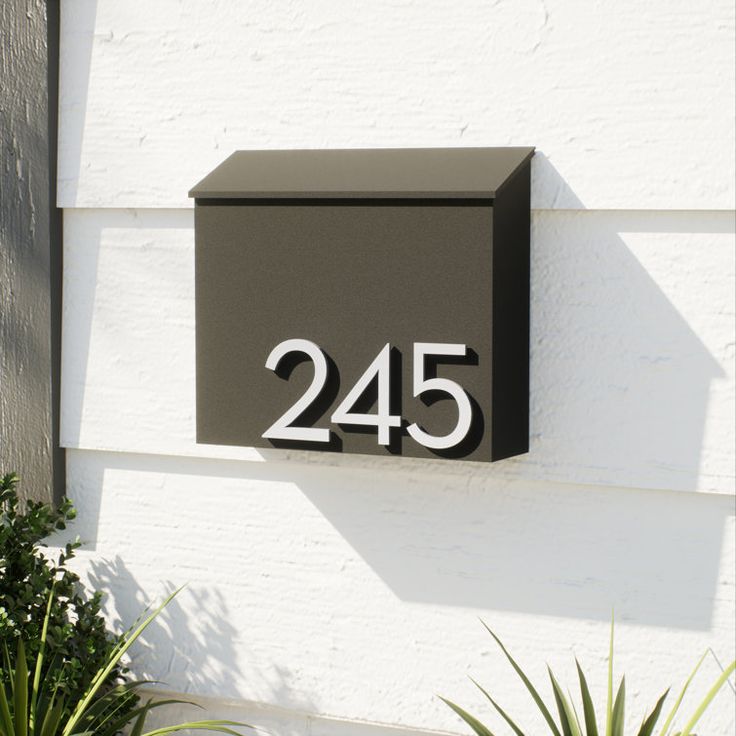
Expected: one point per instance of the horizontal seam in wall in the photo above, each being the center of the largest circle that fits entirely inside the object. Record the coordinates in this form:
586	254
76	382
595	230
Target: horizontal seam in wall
663	212
388	465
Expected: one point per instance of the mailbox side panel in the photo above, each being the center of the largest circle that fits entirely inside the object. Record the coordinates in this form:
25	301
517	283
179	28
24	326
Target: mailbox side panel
350	277
511	293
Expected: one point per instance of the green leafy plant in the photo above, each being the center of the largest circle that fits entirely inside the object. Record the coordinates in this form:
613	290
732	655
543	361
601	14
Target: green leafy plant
570	723
61	671
27	708
76	634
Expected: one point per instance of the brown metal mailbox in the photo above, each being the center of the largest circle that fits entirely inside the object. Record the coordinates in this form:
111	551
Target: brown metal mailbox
365	301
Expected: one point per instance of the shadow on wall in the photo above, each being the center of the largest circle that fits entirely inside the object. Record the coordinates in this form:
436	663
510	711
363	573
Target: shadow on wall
532	547
197	650
524	546
78	34
178	640
620	382
620	386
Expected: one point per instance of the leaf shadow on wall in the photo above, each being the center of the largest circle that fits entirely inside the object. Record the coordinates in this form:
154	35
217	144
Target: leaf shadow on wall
194	654
175	639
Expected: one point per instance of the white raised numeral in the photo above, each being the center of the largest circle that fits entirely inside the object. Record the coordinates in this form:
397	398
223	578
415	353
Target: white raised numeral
281	429
422	384
383	419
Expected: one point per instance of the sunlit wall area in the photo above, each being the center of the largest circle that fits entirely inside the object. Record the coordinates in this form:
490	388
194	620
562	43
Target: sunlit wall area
338	595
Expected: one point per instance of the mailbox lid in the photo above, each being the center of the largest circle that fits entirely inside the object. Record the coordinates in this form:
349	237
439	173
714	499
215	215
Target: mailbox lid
401	173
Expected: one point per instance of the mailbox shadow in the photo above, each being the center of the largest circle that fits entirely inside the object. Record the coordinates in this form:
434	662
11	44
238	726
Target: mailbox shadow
471	541
619	390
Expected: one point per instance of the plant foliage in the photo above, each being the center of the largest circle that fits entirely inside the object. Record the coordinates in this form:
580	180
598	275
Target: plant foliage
76	633
569	723
60	669
31	703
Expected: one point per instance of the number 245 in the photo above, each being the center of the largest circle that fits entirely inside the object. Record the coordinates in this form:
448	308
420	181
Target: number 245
383	420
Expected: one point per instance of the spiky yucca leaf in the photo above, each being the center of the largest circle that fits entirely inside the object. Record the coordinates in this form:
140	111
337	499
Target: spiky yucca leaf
609	691
647	727
570	724
532	690
591	729
668	721
617	715
568	717
473	722
500	710
719	683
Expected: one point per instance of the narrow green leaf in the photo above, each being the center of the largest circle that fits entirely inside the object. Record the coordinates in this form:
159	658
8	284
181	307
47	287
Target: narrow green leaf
647	728
532	690
6	722
570	726
140	720
52	720
617	721
575	712
46	700
9	669
501	711
473	722
675	707
20	708
609	697
115	727
39	662
104	672
105	707
218	726
719	683
591	727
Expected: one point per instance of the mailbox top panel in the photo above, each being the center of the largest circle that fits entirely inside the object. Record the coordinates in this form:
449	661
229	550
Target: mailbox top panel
392	173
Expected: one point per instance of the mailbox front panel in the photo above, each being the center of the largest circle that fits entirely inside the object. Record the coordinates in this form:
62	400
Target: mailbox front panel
350	278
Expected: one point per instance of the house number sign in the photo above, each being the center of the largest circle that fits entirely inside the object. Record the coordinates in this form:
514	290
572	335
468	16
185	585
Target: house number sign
383	420
372	302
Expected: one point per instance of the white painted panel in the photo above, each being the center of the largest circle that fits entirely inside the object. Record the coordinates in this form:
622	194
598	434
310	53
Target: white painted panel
356	593
630	103
632	348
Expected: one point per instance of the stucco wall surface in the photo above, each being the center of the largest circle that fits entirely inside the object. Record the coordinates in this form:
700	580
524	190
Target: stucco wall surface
630	104
337	595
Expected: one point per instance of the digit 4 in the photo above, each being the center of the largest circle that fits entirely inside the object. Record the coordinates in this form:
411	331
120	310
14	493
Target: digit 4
380	368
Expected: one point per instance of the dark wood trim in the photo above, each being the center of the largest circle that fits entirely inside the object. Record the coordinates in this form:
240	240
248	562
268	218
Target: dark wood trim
30	248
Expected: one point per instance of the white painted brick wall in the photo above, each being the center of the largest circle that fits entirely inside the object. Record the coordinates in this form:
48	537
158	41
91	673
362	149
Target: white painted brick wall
334	596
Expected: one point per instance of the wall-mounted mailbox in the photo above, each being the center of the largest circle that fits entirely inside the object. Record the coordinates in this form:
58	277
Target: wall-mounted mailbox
365	301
